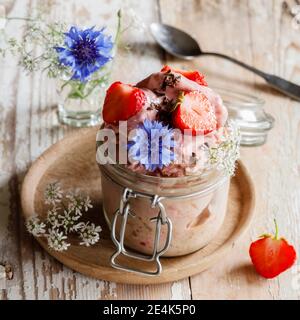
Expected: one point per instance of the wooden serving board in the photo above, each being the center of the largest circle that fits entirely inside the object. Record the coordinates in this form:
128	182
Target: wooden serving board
72	162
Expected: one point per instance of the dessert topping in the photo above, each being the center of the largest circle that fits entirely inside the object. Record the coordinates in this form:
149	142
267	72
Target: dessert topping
152	145
195	76
194	111
122	101
170	80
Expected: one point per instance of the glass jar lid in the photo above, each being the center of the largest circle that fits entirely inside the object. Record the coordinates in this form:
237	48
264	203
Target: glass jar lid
247	111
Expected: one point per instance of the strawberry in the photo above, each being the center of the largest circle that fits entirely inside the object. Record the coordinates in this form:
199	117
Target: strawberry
194	111
122	101
195	76
271	255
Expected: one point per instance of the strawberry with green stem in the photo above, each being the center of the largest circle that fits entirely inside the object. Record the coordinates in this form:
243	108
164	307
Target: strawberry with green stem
272	255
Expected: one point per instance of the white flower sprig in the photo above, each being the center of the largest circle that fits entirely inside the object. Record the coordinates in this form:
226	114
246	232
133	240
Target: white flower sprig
224	155
35	50
53	194
56	240
63	218
35	226
89	234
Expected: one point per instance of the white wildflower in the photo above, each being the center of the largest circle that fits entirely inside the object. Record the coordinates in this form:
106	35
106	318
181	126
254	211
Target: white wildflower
89	234
35	226
63	219
77	227
56	240
76	203
87	203
53	193
68	220
224	155
53	217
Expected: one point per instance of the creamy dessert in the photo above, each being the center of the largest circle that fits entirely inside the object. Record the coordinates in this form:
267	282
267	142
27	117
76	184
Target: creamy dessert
174	113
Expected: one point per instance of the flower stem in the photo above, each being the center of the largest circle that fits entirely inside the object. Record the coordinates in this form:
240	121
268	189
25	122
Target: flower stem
19	18
77	90
96	83
65	84
276	229
118	33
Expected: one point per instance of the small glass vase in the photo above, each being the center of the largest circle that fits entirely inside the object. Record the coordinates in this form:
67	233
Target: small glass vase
80	104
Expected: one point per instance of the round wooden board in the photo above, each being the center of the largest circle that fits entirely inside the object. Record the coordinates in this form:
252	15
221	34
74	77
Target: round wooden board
71	161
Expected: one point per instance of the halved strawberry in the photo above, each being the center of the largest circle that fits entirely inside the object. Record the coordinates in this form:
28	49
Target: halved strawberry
195	112
195	76
122	101
271	255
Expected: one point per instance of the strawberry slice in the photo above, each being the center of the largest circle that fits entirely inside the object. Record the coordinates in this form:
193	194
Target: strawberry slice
195	76
271	255
195	112
122	101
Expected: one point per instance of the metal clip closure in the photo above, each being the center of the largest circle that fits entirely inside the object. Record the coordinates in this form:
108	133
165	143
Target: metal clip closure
161	219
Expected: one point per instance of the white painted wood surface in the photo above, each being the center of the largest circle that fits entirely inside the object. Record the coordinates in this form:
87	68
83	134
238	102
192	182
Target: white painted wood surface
259	32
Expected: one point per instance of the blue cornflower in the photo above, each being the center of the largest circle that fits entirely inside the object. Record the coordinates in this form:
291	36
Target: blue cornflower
85	51
152	145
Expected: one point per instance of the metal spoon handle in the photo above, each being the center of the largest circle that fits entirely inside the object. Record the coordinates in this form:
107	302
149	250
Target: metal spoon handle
284	86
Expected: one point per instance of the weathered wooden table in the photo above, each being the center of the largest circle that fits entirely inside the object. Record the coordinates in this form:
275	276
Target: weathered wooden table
258	32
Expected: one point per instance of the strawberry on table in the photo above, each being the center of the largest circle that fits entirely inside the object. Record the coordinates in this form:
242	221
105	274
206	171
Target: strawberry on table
122	101
272	255
194	112
195	76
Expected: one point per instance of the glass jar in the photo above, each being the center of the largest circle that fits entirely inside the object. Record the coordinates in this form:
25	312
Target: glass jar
194	205
79	103
248	113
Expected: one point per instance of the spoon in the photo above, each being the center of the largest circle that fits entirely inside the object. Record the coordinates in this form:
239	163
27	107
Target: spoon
180	44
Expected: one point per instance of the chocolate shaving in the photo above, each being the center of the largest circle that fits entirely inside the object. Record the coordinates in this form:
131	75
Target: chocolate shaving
166	101
170	80
167	105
